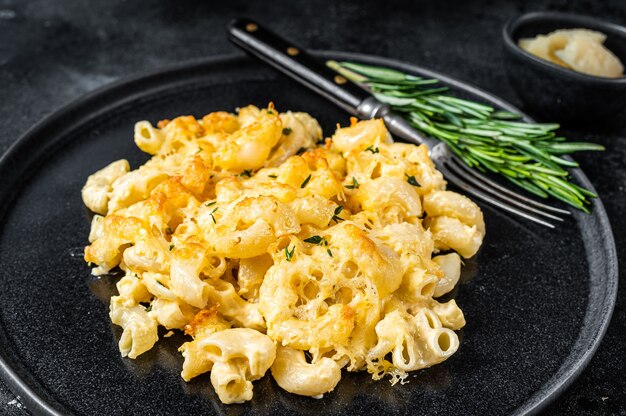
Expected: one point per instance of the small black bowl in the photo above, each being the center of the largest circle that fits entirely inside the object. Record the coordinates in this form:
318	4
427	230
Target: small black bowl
552	92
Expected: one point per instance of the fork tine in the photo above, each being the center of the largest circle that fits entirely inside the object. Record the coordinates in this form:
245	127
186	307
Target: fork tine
472	180
488	198
492	185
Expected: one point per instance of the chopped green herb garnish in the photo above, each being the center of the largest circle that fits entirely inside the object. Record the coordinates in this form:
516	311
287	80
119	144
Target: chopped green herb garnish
172	247
211	203
372	149
301	150
213	212
289	254
308	178
199	150
336	216
149	308
270	111
354	185
287	131
316	239
272	176
320	241
412	181
247	173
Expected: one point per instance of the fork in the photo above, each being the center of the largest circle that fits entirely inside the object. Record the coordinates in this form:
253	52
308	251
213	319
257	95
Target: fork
299	65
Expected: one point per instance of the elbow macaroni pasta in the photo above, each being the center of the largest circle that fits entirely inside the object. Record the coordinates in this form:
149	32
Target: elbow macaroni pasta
263	244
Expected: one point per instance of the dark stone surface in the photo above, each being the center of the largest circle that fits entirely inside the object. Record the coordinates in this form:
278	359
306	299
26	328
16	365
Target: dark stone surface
52	52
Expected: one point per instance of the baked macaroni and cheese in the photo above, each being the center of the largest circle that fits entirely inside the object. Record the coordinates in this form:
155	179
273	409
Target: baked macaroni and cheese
277	251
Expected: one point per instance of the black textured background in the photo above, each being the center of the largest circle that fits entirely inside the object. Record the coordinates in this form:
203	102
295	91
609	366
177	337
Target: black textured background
52	52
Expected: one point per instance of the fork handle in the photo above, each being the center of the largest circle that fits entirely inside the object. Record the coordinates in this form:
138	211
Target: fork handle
296	63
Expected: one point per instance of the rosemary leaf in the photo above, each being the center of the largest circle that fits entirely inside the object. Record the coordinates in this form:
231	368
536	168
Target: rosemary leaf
570	147
375	72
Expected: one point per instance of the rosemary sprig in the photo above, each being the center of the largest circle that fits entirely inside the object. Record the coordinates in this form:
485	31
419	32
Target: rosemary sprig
527	154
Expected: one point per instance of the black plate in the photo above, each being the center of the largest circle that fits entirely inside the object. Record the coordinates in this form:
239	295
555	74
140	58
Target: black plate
537	301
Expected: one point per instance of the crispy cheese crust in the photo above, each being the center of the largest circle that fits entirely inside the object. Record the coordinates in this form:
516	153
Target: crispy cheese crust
261	241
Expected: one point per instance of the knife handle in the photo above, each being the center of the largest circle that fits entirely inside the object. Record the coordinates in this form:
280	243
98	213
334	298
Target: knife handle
296	63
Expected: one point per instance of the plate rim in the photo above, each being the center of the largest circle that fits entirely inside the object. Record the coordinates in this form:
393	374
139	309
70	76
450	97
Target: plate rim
538	401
